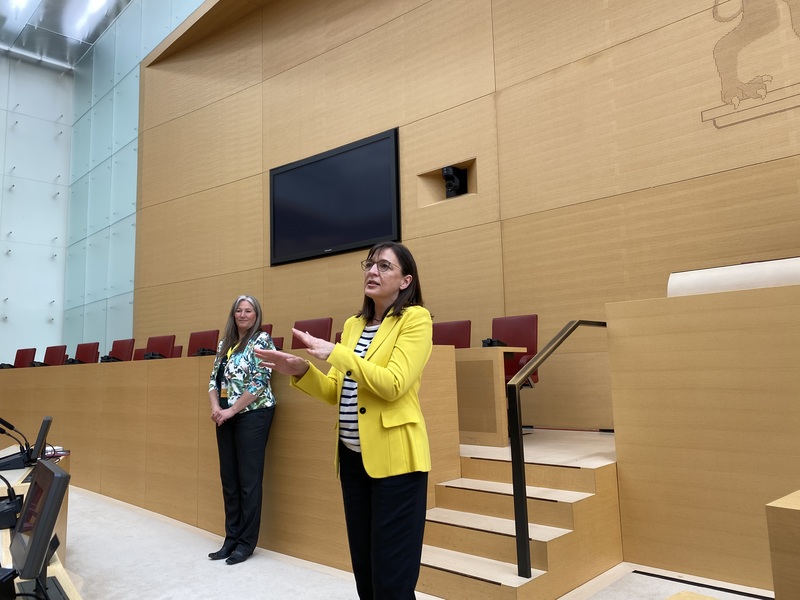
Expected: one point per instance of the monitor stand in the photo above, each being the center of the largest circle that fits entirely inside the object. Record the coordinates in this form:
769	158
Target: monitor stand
44	587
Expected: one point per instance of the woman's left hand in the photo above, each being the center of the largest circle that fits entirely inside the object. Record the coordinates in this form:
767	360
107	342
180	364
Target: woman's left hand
317	347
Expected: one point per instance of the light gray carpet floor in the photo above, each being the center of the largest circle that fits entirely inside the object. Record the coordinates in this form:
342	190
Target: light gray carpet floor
116	551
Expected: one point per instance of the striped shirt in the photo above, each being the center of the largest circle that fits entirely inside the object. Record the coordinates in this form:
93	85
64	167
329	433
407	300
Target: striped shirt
348	402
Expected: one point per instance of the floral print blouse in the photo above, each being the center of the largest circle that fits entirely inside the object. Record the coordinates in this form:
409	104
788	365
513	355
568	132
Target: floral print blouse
244	372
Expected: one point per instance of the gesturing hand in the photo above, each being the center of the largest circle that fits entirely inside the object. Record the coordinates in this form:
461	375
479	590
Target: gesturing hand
316	346
282	362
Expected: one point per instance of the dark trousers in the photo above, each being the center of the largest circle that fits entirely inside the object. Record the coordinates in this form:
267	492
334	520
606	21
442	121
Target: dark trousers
385	523
242	442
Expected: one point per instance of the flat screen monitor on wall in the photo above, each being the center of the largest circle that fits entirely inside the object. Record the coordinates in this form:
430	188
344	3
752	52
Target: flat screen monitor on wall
343	199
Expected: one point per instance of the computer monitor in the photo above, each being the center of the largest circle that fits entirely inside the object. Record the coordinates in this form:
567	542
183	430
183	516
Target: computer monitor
37	452
32	541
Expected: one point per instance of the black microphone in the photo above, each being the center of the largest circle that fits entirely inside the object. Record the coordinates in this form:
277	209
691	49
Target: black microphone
27	449
9	508
13	461
16	439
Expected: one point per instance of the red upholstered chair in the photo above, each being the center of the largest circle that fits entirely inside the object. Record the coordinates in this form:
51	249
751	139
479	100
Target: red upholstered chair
138	354
121	350
521	330
320	328
203	342
24	357
159	346
452	333
337	338
87	352
267	327
177	351
278	341
53	356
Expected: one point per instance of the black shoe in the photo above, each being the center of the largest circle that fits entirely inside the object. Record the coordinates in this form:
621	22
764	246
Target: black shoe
223	552
236	557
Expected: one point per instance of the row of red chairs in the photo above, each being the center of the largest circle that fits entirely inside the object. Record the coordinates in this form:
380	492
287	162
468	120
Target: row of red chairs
520	331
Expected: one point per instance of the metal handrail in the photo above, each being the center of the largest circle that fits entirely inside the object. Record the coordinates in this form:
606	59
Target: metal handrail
515	433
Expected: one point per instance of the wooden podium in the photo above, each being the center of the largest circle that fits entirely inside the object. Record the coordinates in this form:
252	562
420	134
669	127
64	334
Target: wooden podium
482	405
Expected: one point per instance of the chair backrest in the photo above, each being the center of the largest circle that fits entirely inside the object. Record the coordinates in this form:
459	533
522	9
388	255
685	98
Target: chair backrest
177	351
55	355
87	352
320	328
138	354
267	327
452	333
337	338
160	344
24	357
520	330
278	341
122	349
203	340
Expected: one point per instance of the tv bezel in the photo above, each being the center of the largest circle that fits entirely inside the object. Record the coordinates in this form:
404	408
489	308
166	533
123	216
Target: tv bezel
362	242
29	549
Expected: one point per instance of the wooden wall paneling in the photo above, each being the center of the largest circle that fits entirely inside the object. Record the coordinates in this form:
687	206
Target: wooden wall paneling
204	234
123	446
171	479
221	65
460	276
630	118
565	265
210	509
466	132
209	147
79	427
17	404
748	214
783	523
705	414
332	286
533	38
192	305
292	36
391	76
574	391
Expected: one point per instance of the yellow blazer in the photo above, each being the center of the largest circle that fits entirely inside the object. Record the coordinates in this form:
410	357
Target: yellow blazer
394	439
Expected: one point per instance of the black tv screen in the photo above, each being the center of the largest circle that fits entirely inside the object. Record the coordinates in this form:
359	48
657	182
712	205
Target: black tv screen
340	200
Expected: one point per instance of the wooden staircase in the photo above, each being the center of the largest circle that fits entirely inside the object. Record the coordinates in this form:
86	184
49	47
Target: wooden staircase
470	548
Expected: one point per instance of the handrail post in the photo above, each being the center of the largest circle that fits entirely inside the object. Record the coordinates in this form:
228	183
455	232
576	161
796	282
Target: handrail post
519	485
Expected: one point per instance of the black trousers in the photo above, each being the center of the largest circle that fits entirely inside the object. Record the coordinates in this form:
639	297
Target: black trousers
242	442
385	524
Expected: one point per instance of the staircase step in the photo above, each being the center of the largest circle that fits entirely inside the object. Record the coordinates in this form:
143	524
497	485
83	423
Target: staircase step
498	525
475	567
497	487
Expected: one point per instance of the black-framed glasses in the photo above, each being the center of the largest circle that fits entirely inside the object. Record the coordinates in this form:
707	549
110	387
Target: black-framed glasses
383	265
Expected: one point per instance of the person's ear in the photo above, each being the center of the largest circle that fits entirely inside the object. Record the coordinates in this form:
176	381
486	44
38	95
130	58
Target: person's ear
405	282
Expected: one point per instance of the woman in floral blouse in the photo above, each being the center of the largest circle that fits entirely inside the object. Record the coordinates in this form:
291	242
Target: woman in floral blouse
242	407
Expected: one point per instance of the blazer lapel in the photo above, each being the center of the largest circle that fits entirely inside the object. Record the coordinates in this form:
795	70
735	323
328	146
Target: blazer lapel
380	336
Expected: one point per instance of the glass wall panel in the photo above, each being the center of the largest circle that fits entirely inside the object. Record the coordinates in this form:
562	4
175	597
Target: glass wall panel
35	212
73	328
156	23
121	256
4	65
75	282
129	35
94	323
38	92
126	110
104	64
182	9
97	266
99	198
120	319
82	95
78	210
81	146
102	129
37	149
124	181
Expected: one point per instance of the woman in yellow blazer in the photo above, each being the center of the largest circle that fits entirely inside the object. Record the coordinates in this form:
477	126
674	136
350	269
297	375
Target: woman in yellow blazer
382	456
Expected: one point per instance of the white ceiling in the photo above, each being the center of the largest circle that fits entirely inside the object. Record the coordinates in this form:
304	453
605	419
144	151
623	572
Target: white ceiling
56	32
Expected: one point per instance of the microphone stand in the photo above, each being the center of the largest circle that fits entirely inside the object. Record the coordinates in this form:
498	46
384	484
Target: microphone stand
14	461
10	507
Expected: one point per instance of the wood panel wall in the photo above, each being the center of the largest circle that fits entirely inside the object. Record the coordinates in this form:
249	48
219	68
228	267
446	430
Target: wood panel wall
602	155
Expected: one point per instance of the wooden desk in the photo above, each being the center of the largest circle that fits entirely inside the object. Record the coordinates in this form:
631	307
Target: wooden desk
482	404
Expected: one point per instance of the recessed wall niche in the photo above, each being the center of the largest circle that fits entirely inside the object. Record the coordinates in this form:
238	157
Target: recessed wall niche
431	185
